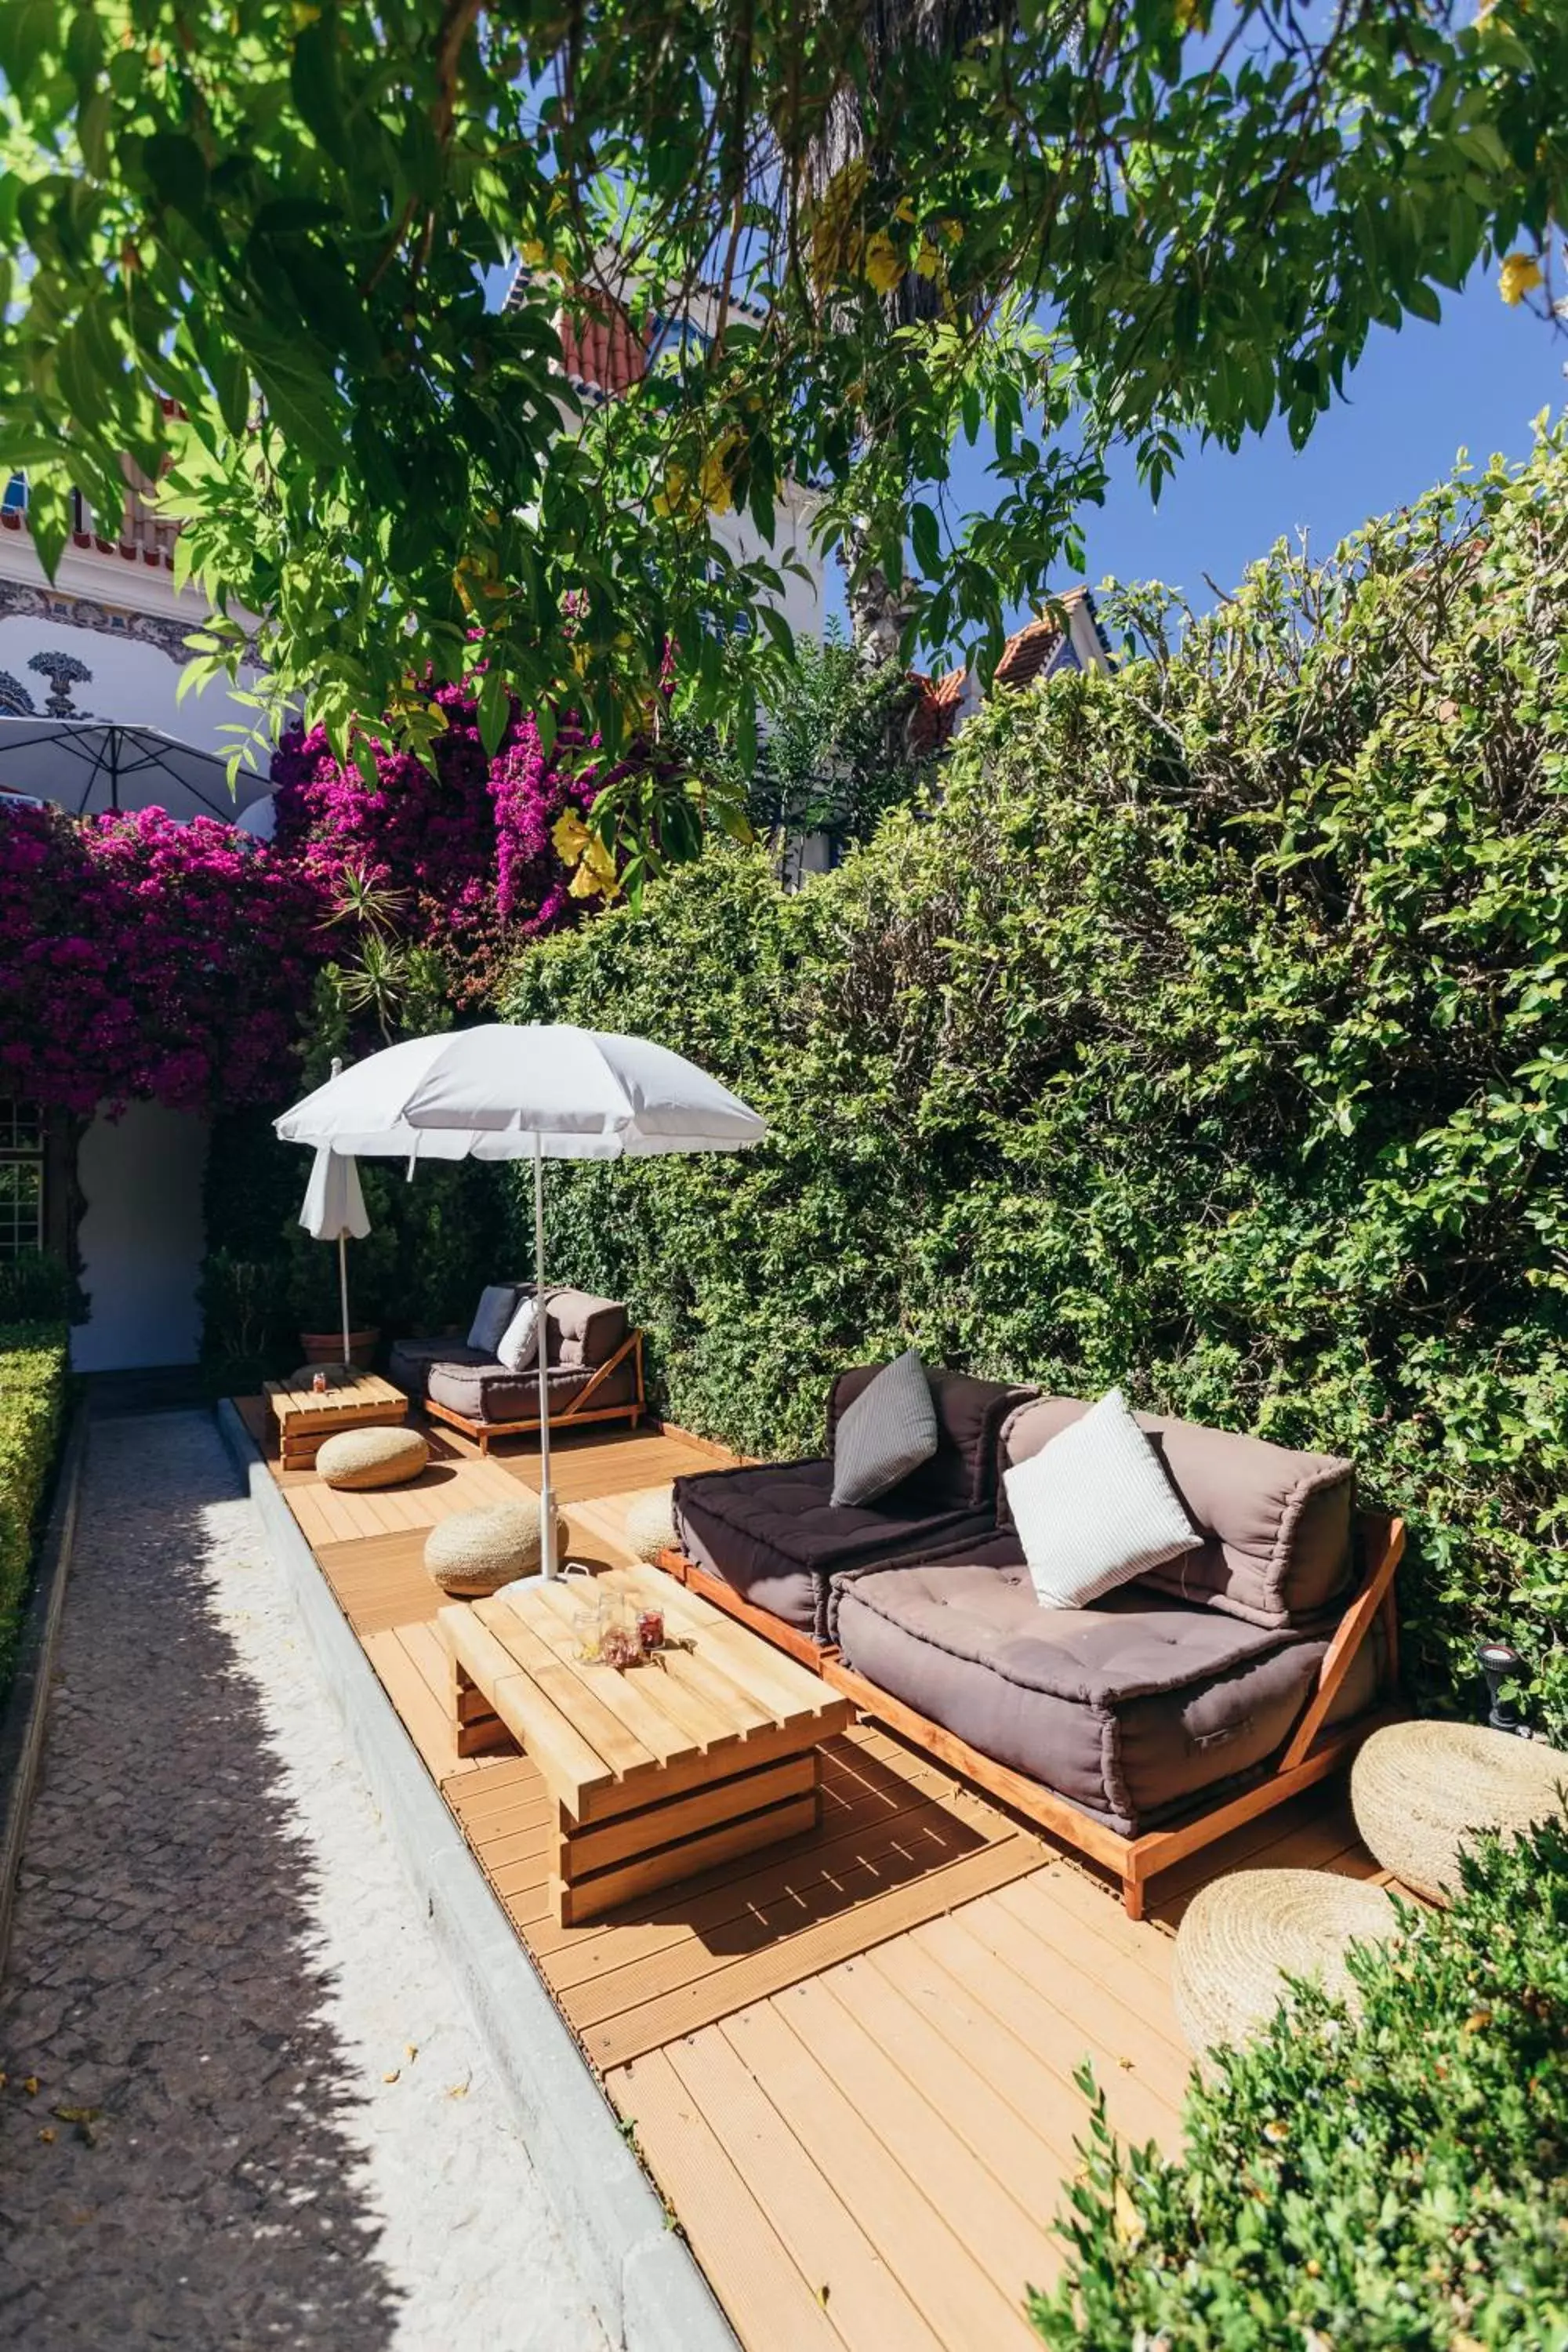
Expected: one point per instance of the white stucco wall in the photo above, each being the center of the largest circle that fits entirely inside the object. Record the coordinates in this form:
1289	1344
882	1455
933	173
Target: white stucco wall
141	1239
134	683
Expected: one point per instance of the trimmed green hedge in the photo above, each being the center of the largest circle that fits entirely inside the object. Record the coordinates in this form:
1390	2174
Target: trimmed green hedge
1349	2184
34	1361
1210	1034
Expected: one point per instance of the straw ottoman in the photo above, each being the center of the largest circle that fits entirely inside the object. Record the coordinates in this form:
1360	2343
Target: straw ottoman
1242	1936
649	1524
476	1552
1421	1792
355	1460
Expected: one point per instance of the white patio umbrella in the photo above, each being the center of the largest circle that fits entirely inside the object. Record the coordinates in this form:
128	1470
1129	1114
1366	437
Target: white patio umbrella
510	1093
334	1211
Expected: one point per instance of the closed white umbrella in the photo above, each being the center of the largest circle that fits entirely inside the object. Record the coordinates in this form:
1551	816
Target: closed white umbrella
334	1211
514	1093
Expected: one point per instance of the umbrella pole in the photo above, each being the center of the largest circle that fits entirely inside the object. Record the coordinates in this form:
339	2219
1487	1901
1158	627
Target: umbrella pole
343	1293
546	1500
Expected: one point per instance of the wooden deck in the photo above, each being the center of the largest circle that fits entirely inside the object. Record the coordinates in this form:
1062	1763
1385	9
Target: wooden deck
848	2063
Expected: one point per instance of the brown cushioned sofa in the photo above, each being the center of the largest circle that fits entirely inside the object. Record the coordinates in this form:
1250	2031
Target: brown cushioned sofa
1143	1726
770	1539
1137	1730
593	1368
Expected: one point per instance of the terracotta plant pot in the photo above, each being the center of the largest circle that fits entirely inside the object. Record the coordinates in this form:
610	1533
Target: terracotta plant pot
327	1346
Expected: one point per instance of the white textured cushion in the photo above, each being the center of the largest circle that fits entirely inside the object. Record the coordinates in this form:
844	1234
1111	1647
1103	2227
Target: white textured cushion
519	1343
491	1316
1094	1509
888	1431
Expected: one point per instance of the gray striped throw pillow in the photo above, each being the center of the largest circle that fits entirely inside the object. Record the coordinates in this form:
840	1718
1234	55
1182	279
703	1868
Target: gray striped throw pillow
888	1431
1094	1509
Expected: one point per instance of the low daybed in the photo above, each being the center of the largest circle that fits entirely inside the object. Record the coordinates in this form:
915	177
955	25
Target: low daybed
1176	1706
766	1542
592	1363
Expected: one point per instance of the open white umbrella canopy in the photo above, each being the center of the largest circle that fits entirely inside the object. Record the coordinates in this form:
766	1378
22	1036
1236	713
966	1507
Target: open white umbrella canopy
512	1093
334	1211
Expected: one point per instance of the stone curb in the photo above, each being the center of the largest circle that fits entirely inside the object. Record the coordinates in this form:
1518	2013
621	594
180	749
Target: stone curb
644	2280
25	1713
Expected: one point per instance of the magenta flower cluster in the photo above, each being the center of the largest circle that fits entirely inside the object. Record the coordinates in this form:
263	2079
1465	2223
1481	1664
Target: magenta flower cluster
468	850
143	958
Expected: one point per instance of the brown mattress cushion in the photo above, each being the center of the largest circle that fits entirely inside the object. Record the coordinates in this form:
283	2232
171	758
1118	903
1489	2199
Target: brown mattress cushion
408	1365
1277	1524
1129	1710
774	1532
583	1330
488	1391
970	1415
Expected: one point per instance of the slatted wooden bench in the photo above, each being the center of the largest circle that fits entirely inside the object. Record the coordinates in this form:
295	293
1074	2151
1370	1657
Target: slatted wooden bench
710	1751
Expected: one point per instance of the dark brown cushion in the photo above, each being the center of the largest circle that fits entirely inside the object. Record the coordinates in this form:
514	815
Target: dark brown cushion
491	1392
583	1330
774	1534
408	1365
1129	1710
961	1473
1276	1525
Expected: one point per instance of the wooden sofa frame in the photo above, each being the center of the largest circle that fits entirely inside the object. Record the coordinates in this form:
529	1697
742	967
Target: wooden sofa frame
1312	1753
579	1410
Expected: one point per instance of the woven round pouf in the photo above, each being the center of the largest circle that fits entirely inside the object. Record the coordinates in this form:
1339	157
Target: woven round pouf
476	1552
1420	1790
358	1458
650	1524
1243	1935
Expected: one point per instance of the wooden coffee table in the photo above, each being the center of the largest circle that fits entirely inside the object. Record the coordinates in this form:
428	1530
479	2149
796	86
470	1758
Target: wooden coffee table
708	1751
305	1416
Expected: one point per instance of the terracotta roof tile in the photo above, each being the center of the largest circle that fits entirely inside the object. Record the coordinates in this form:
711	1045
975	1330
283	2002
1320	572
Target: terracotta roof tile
598	346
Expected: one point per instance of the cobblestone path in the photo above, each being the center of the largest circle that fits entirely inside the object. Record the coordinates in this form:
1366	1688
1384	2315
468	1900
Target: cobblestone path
245	2104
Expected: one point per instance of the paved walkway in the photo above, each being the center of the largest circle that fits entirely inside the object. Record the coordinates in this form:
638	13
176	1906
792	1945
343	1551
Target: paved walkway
245	2104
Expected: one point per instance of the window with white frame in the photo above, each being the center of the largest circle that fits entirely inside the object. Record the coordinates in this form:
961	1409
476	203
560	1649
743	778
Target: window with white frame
21	1179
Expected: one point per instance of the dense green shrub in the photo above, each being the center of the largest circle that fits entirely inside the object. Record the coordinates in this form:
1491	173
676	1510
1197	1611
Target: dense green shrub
1399	2178
1209	1035
37	1286
33	1374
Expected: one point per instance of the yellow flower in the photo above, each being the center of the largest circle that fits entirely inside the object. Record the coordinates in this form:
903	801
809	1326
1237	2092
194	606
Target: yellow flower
928	259
713	482
595	875
676	498
1520	275
571	837
883	265
836	241
1191	16
904	210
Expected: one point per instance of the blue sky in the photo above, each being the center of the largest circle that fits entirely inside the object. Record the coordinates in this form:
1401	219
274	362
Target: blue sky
1473	382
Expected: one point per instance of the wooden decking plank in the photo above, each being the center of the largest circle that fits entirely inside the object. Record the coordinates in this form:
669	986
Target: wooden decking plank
834	1869
770	2303
1009	2243
1062	2020
866	2296
788	1959
785	1898
963	2306
1028	2059
426	1723
1026	2153
1057	1922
